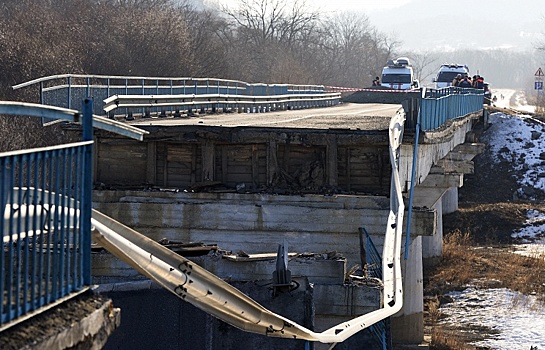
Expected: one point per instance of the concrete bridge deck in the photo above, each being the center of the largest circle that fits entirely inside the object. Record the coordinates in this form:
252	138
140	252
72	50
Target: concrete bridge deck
347	116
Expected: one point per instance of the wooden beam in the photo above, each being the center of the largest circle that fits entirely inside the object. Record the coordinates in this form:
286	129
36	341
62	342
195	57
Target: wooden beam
151	163
193	177
208	157
255	166
332	167
224	164
272	161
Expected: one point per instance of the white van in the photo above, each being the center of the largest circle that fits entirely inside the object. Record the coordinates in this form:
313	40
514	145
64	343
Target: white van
447	73
398	74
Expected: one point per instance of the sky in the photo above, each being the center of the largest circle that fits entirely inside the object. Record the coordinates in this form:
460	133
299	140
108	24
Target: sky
428	25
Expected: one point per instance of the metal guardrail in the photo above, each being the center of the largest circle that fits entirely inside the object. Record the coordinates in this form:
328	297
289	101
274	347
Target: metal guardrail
240	103
439	105
381	329
70	115
160	95
66	90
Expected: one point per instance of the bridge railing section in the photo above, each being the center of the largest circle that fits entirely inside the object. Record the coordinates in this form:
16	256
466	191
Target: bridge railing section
175	104
68	90
439	105
45	198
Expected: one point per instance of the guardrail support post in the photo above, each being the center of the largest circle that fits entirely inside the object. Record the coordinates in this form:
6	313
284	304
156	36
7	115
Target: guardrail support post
87	191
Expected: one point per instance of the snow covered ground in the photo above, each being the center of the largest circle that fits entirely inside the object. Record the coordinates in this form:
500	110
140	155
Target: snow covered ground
524	137
516	321
512	99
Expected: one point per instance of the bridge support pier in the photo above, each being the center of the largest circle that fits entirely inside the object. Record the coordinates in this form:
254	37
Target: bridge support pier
408	324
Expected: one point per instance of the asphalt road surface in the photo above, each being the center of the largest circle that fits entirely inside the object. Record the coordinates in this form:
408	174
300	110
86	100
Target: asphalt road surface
351	116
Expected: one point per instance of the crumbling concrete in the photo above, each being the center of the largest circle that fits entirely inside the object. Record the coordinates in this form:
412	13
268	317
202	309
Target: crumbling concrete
84	322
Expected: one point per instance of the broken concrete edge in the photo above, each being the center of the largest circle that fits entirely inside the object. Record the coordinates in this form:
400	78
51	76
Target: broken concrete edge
90	332
82	322
93	329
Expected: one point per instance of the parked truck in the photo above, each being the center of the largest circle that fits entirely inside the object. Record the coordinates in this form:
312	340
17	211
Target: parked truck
447	73
398	74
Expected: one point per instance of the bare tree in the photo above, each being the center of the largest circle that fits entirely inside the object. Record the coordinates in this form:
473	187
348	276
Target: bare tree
353	51
424	64
209	35
263	30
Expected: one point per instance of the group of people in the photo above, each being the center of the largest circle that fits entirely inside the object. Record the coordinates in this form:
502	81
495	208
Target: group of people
465	81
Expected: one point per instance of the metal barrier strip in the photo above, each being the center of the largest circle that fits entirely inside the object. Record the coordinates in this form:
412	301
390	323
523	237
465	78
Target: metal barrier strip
52	112
140	101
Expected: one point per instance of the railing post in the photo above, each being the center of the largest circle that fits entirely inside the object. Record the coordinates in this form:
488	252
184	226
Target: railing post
87	191
41	92
69	103
143	93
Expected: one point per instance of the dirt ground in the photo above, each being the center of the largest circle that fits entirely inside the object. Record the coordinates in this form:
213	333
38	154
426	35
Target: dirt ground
478	247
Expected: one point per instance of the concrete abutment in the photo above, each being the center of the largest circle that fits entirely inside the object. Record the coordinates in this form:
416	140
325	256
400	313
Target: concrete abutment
255	223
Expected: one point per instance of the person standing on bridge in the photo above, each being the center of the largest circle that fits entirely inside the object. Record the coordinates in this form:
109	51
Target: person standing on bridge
457	80
479	83
465	82
376	82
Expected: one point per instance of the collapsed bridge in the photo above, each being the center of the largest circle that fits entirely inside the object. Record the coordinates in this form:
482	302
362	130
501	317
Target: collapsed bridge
311	177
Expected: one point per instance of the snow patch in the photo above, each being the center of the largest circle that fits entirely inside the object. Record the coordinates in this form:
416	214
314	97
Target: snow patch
520	141
516	321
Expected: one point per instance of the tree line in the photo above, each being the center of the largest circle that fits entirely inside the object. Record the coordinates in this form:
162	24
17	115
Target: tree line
270	41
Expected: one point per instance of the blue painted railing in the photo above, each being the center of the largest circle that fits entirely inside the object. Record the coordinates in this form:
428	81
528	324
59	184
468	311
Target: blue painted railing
379	330
438	106
372	257
45	198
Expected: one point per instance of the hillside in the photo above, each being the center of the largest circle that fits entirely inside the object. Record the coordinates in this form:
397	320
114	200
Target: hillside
494	203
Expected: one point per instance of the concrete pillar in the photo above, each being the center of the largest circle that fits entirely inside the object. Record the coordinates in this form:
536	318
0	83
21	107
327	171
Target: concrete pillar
408	324
450	200
432	246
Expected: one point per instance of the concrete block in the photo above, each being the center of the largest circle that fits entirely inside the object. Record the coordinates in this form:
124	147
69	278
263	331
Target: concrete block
348	300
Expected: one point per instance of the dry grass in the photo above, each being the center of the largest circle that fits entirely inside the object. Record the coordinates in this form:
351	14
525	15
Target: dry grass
442	338
463	263
489	267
